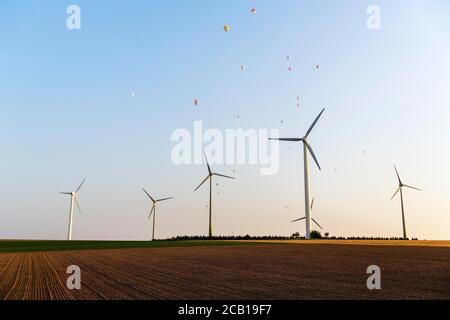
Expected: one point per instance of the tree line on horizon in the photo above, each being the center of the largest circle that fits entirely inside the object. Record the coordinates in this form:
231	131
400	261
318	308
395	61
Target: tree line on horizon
295	236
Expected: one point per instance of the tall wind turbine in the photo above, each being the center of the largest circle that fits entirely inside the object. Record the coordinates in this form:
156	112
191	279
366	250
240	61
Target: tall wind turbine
400	189
153	210
311	207
306	148
210	177
73	198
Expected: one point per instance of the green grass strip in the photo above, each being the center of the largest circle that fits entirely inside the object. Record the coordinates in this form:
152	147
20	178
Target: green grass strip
9	246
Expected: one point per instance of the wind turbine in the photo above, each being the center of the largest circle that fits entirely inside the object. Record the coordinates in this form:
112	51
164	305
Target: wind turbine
153	210
400	189
306	148
311	207
210	177
73	198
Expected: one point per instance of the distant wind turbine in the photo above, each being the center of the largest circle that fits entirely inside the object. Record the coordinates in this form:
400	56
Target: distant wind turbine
306	148
400	189
153	210
311	207
210	177
73	198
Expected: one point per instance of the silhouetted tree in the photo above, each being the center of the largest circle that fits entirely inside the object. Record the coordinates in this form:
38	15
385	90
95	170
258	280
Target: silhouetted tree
295	235
316	234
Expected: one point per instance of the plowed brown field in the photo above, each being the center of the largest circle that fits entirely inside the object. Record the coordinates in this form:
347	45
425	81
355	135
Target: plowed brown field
284	271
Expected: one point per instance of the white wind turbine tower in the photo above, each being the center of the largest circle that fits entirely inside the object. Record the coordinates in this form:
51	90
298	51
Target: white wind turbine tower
73	198
153	210
400	189
311	207
210	177
306	148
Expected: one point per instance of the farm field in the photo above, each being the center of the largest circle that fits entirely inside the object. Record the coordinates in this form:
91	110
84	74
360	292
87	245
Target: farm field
415	243
41	245
264	271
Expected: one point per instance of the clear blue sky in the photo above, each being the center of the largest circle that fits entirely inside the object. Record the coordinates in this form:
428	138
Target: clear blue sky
66	112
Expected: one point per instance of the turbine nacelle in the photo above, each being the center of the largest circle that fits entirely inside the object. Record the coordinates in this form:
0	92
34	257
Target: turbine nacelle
155	201
305	139
211	174
401	185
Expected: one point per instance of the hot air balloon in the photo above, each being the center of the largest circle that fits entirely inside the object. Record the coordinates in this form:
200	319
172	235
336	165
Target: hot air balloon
253	10
196	102
226	28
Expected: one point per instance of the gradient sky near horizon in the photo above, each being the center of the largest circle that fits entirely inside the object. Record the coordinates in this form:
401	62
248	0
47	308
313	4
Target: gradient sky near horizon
67	112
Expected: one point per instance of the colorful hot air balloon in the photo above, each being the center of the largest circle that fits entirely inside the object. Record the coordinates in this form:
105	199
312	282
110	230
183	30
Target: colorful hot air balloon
253	10
226	28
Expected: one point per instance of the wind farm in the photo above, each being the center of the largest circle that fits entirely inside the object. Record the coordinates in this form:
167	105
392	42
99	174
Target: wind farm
229	151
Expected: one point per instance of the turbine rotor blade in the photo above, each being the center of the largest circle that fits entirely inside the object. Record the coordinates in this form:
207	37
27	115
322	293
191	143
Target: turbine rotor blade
76	201
286	139
314	124
79	187
68	193
202	182
148	194
223	176
312	154
207	163
151	211
398	176
395	193
312	203
316	223
412	187
299	219
164	199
